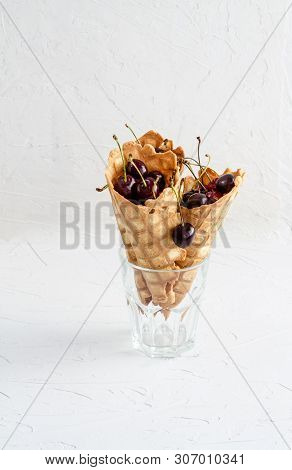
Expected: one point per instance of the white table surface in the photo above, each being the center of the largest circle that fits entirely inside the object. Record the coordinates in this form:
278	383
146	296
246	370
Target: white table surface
234	391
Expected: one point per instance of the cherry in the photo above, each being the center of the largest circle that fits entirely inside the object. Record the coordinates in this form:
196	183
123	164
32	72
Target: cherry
134	198
149	190
212	185
183	234
134	189
213	194
225	183
134	167
125	187
196	200
159	178
186	196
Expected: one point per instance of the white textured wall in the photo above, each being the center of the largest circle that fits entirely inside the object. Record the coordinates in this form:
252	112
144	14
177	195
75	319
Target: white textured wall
169	65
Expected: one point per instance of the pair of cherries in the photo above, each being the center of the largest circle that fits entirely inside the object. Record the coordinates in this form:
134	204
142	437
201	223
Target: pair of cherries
137	185
210	194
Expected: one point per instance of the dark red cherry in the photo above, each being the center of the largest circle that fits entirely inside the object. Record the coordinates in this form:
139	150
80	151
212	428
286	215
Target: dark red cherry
149	190
196	200
131	170
186	196
213	194
159	178
134	197
211	185
123	187
225	183
134	189
183	234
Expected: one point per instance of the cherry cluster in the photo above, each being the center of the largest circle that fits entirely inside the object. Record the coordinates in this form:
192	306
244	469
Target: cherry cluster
210	193
184	233
137	184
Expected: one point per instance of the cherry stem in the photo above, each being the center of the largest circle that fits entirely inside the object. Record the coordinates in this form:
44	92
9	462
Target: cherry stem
191	170
193	159
206	167
123	157
178	201
99	190
199	143
135	166
181	184
131	130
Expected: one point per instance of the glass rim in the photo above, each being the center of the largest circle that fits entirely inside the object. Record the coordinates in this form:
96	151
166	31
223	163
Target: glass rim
153	270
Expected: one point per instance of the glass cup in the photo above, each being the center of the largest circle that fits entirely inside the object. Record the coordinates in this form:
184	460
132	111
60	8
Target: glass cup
164	307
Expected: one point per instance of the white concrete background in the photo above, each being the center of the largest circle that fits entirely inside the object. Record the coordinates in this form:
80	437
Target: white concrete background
169	65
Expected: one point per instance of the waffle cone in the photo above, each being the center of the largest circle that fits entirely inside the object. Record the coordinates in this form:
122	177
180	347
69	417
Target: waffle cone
207	220
147	230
